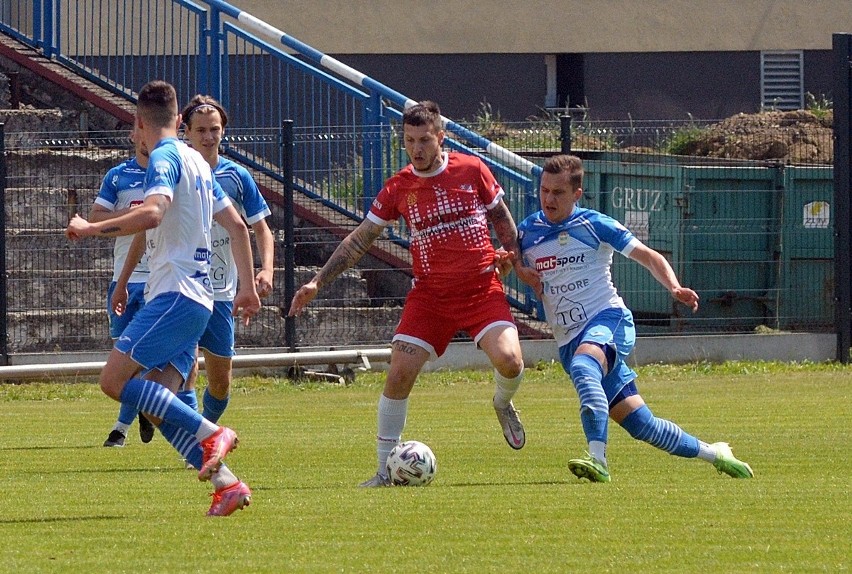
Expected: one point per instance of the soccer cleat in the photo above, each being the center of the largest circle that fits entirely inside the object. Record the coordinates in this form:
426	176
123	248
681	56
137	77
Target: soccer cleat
146	429
229	499
513	428
377	481
215	448
115	438
589	468
727	463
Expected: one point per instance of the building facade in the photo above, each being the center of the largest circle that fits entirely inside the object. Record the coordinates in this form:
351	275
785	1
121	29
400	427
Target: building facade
619	59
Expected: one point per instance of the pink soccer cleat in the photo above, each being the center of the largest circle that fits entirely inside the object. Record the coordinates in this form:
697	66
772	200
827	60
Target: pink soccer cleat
229	499
215	448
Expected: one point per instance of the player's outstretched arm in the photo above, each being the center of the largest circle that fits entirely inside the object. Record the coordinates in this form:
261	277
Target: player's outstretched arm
662	271
146	216
353	247
246	301
265	251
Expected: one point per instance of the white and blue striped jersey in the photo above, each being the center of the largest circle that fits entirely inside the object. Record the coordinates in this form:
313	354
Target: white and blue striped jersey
121	188
243	192
574	259
179	248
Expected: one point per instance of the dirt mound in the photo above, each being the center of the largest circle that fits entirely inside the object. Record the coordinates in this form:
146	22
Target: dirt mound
797	137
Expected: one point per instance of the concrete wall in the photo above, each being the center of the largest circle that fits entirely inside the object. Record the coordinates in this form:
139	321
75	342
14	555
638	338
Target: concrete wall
555	26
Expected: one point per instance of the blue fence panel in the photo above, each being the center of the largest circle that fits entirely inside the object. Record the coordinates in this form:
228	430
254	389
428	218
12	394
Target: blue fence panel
121	44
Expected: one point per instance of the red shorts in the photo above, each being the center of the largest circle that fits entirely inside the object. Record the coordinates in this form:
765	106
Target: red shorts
432	316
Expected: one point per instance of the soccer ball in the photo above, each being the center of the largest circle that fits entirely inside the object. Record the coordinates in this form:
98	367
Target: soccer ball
411	463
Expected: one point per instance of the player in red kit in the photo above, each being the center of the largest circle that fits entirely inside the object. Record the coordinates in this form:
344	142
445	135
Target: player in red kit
448	201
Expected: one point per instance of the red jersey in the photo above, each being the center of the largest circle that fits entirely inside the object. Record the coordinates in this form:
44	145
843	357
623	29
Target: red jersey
445	211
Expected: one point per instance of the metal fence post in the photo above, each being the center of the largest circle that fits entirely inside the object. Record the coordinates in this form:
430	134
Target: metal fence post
842	51
289	240
565	132
4	295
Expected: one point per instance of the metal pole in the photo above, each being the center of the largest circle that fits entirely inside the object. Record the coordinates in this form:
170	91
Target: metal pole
842	58
361	357
4	287
289	240
565	132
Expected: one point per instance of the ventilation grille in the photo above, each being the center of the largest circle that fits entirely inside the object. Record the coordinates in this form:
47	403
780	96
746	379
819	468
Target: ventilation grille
781	86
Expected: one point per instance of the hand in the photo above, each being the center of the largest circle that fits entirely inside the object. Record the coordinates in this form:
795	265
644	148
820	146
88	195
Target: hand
686	296
118	302
246	304
530	276
77	228
503	261
303	296
263	283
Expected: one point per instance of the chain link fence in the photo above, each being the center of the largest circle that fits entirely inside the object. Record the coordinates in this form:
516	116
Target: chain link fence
752	236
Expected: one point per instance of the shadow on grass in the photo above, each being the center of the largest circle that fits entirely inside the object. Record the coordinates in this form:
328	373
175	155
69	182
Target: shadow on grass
59	519
53	447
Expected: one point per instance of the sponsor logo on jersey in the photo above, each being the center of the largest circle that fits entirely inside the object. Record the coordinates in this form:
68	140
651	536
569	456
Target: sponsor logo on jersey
554	262
161	167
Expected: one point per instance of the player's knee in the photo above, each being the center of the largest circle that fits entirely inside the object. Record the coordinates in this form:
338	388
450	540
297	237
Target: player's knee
111	387
510	366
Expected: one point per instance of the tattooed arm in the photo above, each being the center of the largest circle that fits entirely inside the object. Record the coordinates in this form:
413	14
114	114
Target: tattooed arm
504	228
146	216
348	253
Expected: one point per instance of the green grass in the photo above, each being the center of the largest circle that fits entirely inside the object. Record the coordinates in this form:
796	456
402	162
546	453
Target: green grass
70	505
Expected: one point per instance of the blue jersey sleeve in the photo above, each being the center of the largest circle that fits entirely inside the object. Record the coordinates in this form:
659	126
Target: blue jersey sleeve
108	194
611	231
254	206
164	171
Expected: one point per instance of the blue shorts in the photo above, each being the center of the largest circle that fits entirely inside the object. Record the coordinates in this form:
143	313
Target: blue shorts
135	301
612	329
218	337
165	331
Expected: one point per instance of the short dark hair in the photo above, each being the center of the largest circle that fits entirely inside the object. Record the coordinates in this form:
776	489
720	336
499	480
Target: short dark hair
203	104
157	103
425	113
571	163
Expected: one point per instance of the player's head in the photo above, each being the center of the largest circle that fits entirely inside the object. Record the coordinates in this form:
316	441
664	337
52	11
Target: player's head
561	186
139	146
205	120
157	105
423	135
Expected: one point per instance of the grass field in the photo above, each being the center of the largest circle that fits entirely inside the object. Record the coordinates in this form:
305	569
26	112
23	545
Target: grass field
70	505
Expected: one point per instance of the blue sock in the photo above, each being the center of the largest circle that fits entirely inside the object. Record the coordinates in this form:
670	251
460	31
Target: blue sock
127	414
189	398
587	374
661	433
186	444
155	399
213	407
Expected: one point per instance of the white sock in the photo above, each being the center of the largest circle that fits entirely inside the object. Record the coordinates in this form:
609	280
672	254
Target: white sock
506	388
121	427
223	478
206	429
706	451
598	450
391	421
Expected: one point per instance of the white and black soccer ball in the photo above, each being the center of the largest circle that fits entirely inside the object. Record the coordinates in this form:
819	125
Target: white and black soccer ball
411	463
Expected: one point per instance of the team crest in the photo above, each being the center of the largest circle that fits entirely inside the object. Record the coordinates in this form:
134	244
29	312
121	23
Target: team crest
563	238
411	199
